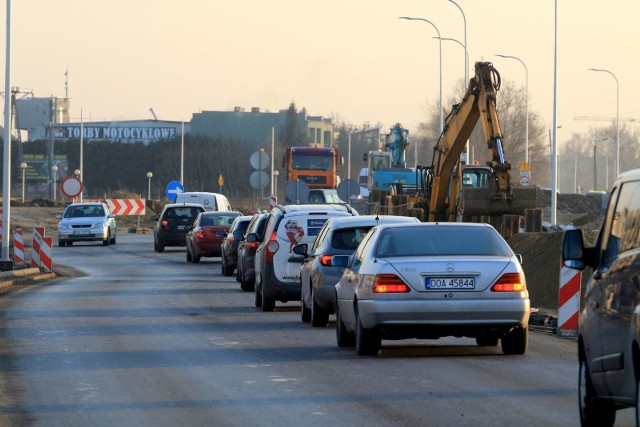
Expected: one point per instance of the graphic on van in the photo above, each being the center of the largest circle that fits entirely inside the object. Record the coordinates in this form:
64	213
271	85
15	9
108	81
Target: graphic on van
314	226
294	232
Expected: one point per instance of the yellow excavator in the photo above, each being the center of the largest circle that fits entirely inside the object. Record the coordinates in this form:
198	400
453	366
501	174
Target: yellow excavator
451	191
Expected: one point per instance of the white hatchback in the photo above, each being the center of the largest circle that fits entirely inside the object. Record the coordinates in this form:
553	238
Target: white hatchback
87	222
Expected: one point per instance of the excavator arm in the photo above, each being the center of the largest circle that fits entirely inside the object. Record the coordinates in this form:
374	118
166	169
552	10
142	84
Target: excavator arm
478	104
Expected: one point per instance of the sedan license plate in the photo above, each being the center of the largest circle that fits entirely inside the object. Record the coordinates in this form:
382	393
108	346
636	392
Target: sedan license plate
76	232
437	283
181	227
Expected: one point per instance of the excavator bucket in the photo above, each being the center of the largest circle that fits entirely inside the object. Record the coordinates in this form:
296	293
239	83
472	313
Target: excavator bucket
479	201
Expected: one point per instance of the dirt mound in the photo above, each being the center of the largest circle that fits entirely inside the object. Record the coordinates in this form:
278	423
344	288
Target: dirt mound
541	258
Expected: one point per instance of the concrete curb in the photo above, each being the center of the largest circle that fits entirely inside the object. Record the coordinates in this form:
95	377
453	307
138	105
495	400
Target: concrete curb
10	279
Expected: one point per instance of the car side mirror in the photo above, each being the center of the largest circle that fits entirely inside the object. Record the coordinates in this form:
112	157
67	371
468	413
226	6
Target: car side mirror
252	238
153	218
59	216
112	215
238	235
519	257
340	261
301	249
573	250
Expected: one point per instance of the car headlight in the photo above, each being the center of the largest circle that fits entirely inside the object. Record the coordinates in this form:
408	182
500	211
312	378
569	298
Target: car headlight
64	227
98	225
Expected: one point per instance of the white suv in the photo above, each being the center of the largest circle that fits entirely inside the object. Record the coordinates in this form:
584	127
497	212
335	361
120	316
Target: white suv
277	266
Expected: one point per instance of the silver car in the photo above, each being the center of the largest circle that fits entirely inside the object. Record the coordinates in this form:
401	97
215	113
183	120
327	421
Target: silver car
432	280
338	236
87	222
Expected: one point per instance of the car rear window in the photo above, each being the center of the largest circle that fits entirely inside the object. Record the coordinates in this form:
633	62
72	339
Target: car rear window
182	212
348	238
217	220
441	240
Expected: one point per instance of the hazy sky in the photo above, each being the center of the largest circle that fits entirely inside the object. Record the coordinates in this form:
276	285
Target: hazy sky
350	58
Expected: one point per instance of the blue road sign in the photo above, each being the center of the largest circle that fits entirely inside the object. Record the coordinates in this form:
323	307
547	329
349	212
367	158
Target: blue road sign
173	189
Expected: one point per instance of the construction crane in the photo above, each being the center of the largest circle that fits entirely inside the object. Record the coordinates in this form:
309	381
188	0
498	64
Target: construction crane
604	119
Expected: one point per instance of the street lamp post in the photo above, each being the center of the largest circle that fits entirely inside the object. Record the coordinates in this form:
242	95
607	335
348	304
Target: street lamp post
275	183
54	172
440	48
77	173
466	55
23	166
526	105
466	64
149	175
554	155
616	170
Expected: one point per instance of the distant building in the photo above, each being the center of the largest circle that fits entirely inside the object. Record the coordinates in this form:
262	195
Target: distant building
255	126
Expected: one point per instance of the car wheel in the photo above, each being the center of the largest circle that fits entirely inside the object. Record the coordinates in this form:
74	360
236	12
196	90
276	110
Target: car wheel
238	274
223	269
155	245
228	271
305	313
593	411
69	243
160	246
258	298
107	241
319	317
247	286
343	336
113	240
62	243
487	341
189	257
516	341
268	304
368	341
195	258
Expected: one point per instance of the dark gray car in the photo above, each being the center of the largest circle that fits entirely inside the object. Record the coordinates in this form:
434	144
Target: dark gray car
609	322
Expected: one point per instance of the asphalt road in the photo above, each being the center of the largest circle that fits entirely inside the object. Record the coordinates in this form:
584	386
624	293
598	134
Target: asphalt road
148	339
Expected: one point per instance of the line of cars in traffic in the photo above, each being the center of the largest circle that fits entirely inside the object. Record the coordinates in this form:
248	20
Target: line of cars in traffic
385	277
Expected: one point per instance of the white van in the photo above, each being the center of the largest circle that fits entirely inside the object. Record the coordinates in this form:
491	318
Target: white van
210	201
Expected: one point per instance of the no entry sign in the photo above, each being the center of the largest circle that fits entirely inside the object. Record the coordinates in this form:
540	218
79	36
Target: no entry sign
71	186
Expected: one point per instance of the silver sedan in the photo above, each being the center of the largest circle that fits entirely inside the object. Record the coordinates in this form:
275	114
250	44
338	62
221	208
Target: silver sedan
432	280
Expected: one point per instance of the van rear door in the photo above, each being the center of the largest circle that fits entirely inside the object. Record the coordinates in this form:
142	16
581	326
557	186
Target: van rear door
296	228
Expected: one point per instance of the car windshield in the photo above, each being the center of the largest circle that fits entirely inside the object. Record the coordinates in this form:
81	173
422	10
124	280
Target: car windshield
84	211
441	241
348	238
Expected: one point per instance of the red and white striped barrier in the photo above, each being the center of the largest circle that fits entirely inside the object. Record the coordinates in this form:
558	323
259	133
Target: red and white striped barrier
569	301
126	206
38	235
18	246
46	253
273	202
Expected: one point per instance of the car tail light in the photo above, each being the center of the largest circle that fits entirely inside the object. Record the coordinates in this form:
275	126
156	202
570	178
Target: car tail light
272	247
326	260
389	283
510	282
253	244
164	223
200	234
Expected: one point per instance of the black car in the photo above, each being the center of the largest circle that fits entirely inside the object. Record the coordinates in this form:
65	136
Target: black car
247	251
230	244
173	224
608	327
